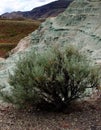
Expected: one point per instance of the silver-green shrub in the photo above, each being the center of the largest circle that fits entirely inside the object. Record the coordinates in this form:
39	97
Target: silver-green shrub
55	76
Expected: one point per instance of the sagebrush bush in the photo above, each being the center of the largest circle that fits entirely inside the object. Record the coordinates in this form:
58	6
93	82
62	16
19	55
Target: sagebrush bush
56	76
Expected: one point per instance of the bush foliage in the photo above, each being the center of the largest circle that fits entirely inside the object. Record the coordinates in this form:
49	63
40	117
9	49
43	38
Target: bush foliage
56	76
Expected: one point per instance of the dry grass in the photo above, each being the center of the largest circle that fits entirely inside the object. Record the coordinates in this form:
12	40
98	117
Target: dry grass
11	31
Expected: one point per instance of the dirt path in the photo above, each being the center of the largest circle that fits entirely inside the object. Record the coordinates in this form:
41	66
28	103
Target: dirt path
84	116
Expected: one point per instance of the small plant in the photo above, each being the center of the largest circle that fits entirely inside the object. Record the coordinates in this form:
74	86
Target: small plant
55	76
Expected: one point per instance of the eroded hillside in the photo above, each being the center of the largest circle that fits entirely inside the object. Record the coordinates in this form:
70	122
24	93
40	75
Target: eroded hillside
80	25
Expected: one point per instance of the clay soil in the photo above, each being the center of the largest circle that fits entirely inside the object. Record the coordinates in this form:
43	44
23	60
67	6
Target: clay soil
84	115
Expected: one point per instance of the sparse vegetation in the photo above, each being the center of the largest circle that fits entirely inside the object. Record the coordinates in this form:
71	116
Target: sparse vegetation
54	77
12	31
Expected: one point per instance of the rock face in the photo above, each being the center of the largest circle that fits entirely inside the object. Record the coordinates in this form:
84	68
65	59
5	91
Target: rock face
79	25
22	45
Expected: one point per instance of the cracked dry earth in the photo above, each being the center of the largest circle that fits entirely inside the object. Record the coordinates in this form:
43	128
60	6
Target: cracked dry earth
81	116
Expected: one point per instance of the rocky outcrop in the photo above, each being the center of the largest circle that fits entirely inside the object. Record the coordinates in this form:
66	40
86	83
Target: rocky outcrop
79	25
7	65
22	45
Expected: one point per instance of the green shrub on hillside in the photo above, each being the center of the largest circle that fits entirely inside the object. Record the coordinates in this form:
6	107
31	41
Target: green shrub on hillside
55	76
